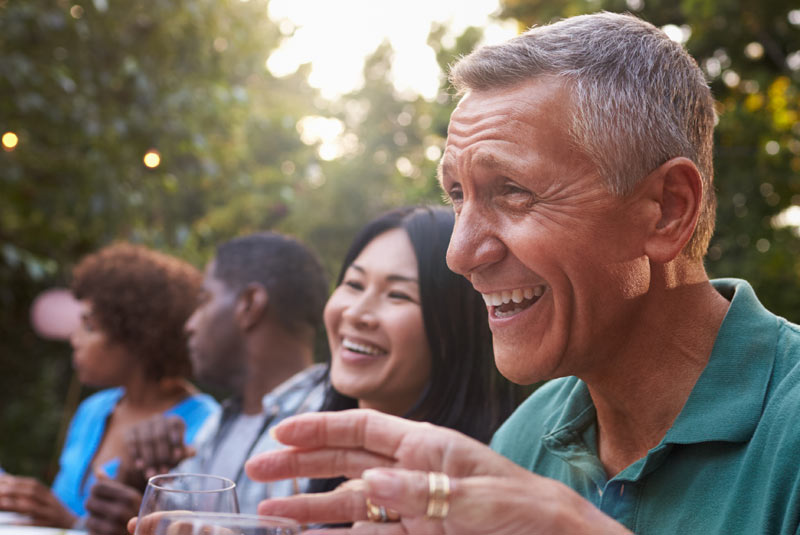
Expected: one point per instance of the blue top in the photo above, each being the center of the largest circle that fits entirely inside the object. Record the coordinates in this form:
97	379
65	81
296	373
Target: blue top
728	464
86	431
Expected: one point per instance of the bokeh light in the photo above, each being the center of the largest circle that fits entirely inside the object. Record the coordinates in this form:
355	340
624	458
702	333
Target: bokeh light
10	140
152	158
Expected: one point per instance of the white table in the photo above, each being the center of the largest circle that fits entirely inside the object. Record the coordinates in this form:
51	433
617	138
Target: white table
8	529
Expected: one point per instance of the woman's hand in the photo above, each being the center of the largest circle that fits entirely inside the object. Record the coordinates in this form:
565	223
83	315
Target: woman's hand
28	496
392	458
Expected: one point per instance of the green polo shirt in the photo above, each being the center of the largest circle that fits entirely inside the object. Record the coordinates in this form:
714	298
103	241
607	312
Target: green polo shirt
731	461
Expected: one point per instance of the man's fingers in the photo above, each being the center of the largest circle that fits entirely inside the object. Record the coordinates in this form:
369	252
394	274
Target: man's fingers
120	506
406	491
345	504
109	488
175	431
132	442
146	446
288	463
358	428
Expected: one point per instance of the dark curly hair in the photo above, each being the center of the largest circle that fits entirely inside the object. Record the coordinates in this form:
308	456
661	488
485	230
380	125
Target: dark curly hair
141	299
288	270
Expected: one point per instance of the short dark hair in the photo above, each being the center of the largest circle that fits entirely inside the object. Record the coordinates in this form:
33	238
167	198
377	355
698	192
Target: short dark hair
289	271
465	391
141	299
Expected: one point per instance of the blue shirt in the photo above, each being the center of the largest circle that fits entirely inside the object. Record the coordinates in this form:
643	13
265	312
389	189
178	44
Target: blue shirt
86	431
729	464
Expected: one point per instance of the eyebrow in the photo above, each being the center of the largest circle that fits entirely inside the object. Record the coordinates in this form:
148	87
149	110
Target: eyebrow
482	159
490	160
392	277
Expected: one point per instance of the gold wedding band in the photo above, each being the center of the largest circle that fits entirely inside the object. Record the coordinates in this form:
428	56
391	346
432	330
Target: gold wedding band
379	513
438	495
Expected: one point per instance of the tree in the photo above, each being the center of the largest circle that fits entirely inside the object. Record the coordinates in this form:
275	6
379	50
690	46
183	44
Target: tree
391	149
89	89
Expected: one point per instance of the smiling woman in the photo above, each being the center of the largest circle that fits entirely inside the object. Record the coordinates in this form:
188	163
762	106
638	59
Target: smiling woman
374	318
408	336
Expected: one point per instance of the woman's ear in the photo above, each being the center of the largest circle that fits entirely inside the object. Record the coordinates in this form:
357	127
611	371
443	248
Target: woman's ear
676	188
251	306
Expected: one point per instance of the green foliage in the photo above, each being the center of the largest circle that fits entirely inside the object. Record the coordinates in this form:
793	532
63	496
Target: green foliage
89	88
750	52
393	151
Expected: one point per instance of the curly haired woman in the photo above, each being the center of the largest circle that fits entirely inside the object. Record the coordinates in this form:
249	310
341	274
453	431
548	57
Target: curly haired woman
130	342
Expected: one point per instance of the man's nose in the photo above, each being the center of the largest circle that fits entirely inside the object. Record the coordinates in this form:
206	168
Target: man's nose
474	244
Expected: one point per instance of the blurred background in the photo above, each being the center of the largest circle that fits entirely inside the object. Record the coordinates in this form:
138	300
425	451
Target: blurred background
181	123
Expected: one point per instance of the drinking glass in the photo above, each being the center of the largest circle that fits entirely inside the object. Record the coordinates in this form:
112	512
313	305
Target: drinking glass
188	492
183	523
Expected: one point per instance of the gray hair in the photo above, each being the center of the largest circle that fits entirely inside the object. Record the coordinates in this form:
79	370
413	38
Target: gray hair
640	99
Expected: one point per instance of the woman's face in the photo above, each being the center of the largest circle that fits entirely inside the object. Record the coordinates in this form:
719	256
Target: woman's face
97	360
379	351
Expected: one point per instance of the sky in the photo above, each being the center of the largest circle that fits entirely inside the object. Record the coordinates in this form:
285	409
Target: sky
336	37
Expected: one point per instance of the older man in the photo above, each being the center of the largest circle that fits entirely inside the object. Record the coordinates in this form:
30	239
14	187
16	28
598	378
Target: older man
579	164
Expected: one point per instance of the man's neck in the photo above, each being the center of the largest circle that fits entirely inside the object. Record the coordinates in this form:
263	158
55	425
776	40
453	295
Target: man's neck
646	383
273	355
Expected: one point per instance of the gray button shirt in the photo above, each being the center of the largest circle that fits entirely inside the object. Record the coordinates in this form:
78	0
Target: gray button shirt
303	392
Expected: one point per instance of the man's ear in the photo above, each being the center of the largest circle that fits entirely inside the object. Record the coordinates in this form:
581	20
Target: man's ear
251	305
676	190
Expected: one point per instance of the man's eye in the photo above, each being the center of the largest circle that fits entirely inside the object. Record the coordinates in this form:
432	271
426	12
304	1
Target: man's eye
518	194
511	189
454	196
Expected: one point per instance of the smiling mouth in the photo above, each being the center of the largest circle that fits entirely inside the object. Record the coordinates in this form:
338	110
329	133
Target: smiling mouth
362	348
510	302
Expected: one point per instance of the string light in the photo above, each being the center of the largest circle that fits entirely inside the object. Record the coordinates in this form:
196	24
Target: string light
10	140
152	159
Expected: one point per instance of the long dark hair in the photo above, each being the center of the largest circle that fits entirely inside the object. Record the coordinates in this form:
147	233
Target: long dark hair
465	391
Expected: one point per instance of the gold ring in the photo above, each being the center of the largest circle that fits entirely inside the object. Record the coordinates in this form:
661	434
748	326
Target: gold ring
438	495
379	513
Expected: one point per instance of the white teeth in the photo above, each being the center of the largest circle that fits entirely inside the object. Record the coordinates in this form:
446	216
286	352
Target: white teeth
517	295
528	293
361	348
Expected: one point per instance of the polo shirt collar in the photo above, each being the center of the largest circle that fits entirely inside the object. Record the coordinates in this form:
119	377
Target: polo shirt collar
727	401
724	405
